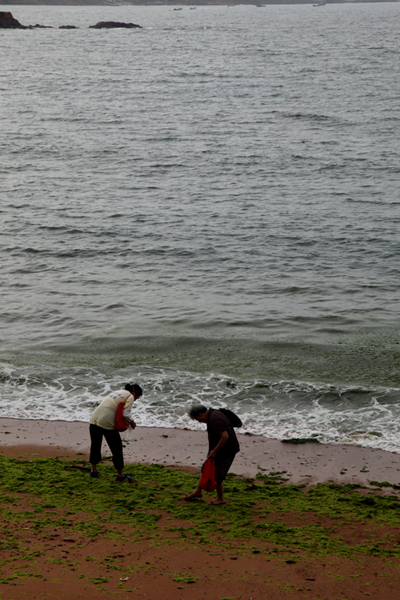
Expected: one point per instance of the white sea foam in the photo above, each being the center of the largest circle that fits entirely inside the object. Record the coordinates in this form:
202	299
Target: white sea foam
279	410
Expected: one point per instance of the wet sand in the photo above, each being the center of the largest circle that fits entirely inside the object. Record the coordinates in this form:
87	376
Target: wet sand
308	463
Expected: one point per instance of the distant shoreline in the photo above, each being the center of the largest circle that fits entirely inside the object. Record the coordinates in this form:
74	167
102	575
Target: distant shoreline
181	2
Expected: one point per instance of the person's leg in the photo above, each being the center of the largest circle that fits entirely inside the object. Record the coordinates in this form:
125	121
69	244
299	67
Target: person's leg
96	438
222	467
114	442
220	495
197	493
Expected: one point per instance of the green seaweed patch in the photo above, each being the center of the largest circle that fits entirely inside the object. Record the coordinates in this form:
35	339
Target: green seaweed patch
98	580
23	575
185	578
382	484
4	498
310	440
153	508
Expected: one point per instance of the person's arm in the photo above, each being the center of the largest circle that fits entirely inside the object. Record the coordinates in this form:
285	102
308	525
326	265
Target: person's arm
222	441
127	417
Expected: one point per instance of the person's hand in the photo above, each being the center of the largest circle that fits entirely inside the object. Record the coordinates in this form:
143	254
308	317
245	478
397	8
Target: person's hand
133	424
212	454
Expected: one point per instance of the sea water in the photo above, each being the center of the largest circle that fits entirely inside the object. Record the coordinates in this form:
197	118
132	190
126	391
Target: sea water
209	206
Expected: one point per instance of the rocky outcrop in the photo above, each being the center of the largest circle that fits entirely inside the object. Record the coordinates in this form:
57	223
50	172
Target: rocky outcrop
112	25
7	21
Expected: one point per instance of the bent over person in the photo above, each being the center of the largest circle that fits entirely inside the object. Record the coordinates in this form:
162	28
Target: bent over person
102	423
223	446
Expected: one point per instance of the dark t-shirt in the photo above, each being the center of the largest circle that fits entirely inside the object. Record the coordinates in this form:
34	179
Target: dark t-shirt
217	423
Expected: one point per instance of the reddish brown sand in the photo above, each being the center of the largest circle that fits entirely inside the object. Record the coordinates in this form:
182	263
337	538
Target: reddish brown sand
146	572
71	566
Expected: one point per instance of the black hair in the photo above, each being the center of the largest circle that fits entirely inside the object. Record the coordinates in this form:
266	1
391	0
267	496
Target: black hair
134	388
197	410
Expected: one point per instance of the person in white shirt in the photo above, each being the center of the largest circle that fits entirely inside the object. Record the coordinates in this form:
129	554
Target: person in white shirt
102	423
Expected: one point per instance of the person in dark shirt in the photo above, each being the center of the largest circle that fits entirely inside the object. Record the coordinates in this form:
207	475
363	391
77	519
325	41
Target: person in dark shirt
222	446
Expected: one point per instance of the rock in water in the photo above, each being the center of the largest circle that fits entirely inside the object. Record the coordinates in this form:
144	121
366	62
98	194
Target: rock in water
7	21
112	25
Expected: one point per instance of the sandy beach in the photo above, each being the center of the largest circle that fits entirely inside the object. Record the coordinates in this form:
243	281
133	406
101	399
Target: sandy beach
308	463
51	547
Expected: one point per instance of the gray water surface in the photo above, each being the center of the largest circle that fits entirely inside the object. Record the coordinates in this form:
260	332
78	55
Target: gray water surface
209	204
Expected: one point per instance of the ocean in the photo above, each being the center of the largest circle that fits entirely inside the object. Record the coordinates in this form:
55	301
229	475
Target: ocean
208	206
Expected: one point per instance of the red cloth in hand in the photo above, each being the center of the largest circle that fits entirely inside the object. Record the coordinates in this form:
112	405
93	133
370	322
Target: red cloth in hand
120	424
207	481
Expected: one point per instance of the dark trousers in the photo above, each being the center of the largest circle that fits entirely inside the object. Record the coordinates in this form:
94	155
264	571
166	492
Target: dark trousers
114	442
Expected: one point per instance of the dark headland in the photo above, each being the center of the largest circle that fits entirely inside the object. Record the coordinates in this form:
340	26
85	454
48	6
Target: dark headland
174	2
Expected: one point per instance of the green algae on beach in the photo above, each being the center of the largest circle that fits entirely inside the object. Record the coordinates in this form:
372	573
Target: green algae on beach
265	514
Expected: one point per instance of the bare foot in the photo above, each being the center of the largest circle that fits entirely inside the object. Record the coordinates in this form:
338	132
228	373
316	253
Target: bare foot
193	496
218	501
